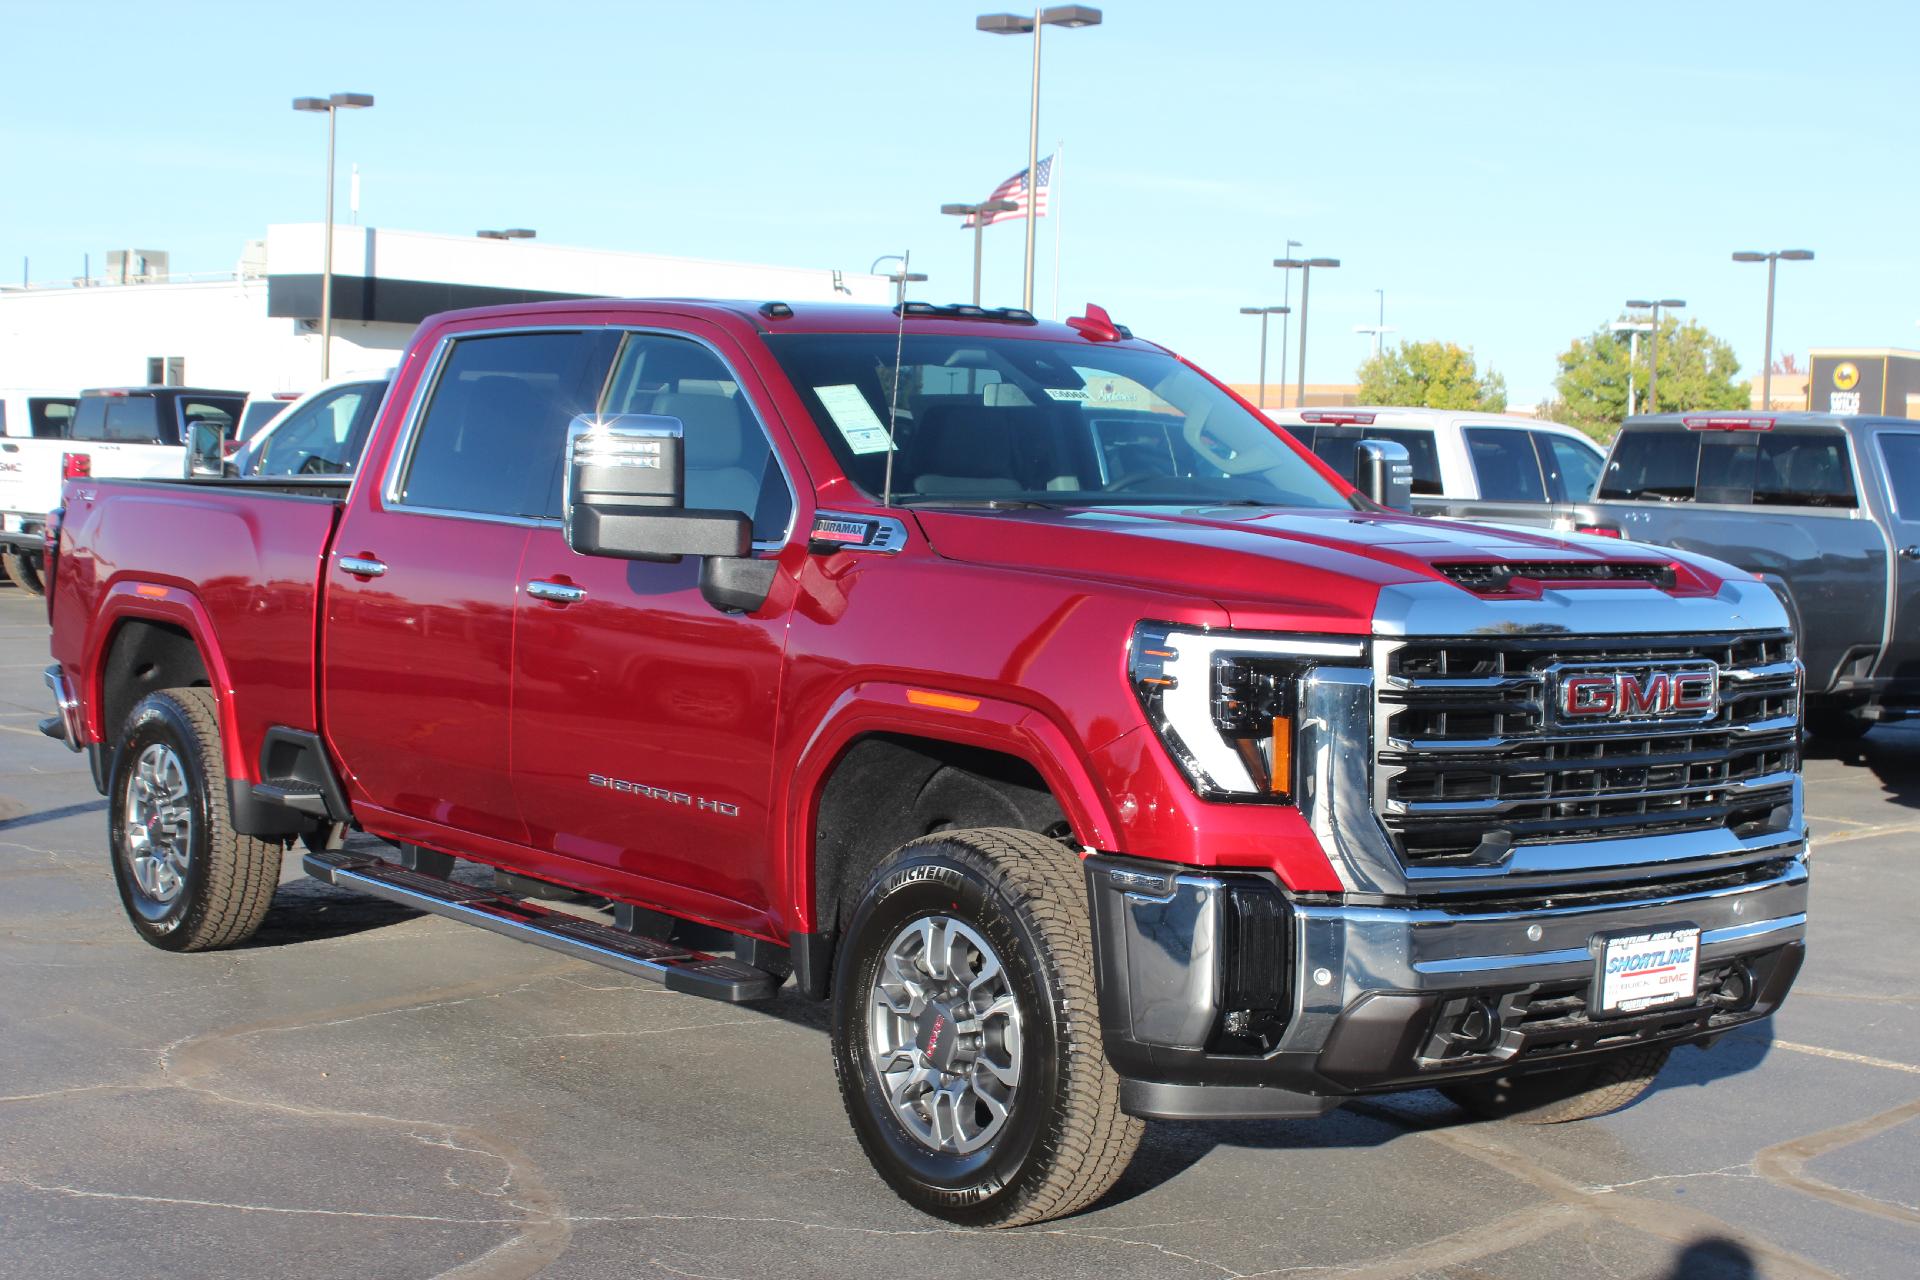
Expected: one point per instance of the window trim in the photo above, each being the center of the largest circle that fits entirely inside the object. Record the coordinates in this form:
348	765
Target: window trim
1886	472
393	482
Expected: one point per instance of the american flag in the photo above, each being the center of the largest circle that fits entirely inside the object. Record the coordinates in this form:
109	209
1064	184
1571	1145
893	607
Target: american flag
1015	189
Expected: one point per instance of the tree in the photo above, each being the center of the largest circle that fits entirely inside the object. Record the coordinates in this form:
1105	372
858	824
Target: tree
1696	372
1432	375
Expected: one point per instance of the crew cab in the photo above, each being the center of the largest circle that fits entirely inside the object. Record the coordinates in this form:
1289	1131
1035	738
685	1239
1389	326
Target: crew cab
1097	753
1824	508
319	434
1495	467
116	431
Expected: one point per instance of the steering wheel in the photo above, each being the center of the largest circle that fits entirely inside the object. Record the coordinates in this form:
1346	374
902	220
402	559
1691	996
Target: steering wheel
315	465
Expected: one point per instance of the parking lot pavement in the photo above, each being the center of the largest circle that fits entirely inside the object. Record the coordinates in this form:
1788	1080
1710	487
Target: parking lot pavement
368	1092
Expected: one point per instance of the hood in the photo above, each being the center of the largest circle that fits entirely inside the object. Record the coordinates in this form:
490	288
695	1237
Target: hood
1317	568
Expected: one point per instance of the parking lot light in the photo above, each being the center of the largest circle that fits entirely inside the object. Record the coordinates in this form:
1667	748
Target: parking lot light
1263	313
1772	260
978	212
1653	373
332	105
1306	266
511	233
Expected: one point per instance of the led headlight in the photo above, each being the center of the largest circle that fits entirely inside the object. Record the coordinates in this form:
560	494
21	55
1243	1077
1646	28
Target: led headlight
1226	704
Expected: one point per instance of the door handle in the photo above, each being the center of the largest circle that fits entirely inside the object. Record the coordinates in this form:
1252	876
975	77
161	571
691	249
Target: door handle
556	592
363	566
1910	553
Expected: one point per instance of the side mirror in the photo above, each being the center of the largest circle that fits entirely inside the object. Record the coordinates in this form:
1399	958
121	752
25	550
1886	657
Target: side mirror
206	450
1383	470
625	486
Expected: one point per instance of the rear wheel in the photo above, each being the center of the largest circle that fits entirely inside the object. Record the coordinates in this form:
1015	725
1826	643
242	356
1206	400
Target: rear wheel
1837	724
966	1035
188	880
23	567
1571	1093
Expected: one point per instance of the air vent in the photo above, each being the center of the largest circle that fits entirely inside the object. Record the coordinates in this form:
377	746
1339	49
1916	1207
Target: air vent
1494	577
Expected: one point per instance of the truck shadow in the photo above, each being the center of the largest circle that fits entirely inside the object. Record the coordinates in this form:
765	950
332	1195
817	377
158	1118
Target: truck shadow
305	910
1891	752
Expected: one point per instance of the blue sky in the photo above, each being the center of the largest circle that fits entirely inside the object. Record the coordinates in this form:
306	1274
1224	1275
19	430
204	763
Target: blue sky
1508	173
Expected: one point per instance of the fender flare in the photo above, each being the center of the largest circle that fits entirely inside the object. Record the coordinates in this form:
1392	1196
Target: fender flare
131	599
991	723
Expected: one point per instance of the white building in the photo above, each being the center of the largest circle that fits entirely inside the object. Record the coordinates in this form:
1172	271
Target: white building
258	329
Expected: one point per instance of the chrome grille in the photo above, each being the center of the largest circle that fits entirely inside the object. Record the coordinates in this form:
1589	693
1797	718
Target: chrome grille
1469	763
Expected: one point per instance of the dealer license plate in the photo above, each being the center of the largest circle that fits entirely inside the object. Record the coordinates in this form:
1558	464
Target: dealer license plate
1640	971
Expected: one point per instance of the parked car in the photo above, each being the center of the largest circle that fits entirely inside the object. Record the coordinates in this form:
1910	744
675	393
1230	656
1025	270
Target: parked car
261	408
1492	467
1824	508
27	413
320	434
115	431
1097	753
35	413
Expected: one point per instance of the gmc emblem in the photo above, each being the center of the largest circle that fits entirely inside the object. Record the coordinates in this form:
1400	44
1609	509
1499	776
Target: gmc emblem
1654	692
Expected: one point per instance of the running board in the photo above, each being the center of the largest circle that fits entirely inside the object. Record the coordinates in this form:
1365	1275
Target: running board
677	968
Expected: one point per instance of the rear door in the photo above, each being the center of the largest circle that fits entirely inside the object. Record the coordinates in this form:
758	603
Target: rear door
1508	475
425	571
1899	459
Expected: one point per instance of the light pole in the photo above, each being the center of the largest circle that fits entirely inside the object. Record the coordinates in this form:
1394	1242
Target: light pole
1772	260
333	106
510	233
1013	24
1306	266
978	212
1653	362
1286	296
1379	328
1633	329
900	278
1263	313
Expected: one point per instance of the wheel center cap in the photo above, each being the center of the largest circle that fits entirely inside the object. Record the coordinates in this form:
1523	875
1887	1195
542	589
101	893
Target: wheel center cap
938	1037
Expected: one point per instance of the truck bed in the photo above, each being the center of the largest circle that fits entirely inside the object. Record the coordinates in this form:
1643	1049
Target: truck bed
233	563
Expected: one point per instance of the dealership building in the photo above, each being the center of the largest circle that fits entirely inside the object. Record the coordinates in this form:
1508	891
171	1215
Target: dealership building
257	328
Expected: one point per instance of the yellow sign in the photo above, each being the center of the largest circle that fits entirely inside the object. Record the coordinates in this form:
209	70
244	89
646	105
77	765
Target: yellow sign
1845	375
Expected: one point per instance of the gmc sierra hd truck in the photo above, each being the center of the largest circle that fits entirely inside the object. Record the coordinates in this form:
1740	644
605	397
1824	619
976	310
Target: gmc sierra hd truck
1097	752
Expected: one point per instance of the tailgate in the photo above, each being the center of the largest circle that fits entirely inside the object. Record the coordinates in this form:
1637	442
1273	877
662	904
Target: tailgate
29	476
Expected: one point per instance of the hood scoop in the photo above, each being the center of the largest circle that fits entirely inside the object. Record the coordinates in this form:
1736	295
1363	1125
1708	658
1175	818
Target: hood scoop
1496	577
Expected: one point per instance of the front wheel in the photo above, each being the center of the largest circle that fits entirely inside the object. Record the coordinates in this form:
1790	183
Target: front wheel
1571	1093
1837	724
23	567
188	880
966	1033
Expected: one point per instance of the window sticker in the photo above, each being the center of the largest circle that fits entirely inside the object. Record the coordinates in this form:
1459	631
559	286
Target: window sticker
863	432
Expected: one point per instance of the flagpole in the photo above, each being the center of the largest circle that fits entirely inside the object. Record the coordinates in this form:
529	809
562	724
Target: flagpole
1053	198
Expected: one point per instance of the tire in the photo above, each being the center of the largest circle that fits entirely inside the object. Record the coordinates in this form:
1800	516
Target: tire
1837	724
188	881
1572	1093
23	567
1061	1139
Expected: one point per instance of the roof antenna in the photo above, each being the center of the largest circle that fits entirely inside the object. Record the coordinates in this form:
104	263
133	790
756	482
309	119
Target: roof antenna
893	399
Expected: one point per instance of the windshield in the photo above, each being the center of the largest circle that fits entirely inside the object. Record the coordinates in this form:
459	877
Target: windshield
1058	423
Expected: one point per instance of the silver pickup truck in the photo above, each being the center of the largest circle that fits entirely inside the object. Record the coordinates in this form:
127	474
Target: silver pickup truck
1824	508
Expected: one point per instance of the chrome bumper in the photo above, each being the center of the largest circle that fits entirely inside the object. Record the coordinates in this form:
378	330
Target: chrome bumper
1369	984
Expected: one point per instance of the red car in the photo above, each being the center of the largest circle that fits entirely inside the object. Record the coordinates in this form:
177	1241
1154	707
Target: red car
1098	752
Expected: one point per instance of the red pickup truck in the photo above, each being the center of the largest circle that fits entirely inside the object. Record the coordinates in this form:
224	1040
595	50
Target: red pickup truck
1100	754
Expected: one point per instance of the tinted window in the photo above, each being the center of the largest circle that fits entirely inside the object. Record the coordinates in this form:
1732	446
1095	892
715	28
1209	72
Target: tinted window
90	419
1504	464
1336	445
133	420
258	414
49	416
729	464
1766	468
1900	451
496	424
218	412
1049	423
1573	467
325	437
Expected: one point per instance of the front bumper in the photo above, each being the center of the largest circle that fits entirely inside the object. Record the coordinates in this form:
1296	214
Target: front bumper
1376	998
22	533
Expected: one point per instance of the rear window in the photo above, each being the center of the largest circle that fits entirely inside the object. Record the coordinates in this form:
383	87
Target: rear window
220	412
1335	446
1790	468
1900	450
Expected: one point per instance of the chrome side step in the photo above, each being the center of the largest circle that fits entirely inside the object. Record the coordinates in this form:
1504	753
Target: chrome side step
677	968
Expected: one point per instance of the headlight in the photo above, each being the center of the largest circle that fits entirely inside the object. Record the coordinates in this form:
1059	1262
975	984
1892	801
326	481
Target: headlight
1226	704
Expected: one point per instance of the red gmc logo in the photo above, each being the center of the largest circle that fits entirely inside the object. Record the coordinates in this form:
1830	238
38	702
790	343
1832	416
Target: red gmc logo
1638	693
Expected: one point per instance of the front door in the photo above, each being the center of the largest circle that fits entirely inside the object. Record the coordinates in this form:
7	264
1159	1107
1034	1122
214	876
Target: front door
644	718
1900	459
422	581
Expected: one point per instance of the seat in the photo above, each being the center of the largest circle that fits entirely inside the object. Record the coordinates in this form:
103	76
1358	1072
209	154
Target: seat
725	459
964	450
